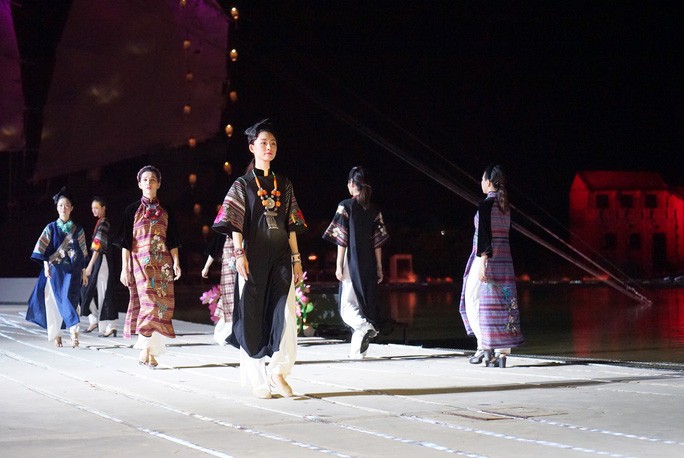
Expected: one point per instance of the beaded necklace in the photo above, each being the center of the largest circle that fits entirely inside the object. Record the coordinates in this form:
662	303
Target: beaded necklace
270	202
152	210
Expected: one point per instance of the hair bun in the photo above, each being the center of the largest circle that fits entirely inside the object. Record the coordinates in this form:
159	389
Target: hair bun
61	193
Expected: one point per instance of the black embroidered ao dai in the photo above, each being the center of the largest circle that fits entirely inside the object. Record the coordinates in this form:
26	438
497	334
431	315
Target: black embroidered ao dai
259	312
361	231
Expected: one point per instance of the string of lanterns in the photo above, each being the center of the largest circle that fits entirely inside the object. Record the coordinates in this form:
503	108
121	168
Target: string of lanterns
231	99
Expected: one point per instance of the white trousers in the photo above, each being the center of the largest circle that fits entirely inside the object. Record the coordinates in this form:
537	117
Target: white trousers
156	343
253	371
351	314
52	316
104	327
472	304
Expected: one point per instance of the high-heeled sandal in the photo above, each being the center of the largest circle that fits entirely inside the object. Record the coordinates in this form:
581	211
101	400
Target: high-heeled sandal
58	342
495	360
280	386
151	362
142	359
113	332
74	340
477	357
91	328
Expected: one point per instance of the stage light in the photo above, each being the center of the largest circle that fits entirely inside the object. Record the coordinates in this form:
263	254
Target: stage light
192	142
229	130
205	230
192	179
234	13
187	109
189	76
197	209
233	96
186	44
233	55
228	169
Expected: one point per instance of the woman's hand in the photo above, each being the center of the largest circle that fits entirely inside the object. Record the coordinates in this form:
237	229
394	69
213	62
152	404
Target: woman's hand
46	270
338	273
176	271
381	276
124	278
89	270
297	272
483	269
205	272
242	266
84	277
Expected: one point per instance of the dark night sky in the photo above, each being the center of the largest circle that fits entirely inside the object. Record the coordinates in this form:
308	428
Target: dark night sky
546	88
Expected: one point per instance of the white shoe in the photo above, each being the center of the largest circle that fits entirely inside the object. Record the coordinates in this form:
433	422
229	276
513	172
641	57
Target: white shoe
280	386
261	393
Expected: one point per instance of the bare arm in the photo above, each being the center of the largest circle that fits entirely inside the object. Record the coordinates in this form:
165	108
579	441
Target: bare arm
297	272
205	269
93	258
241	263
176	263
124	278
378	262
339	265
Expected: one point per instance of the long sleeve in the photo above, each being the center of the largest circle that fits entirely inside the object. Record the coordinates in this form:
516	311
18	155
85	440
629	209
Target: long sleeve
484	231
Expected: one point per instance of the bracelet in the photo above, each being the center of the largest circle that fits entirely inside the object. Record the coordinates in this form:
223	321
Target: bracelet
296	257
239	252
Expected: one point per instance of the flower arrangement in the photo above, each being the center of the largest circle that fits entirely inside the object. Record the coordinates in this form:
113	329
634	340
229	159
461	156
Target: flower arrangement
213	299
304	304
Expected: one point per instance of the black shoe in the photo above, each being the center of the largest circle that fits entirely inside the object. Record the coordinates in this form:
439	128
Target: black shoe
113	332
495	360
477	357
365	342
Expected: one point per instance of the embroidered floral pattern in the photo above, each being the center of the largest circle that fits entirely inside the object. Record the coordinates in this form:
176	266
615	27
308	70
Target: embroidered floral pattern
512	307
161	309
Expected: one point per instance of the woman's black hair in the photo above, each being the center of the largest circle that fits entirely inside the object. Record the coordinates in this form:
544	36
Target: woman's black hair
62	193
149	168
496	175
357	175
252	132
100	200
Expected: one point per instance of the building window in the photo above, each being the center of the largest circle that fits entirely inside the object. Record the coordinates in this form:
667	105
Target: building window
651	201
601	200
627	201
609	241
634	241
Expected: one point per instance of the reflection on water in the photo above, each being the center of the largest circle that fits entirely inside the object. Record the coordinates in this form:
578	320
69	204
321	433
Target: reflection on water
560	320
586	321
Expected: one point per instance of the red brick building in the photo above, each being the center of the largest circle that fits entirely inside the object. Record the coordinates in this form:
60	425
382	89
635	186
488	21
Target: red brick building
633	219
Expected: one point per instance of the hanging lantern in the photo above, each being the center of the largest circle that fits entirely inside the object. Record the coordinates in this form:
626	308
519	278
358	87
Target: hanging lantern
187	109
205	230
186	44
233	96
234	13
197	209
229	130
192	179
192	142
189	76
183	3
233	55
228	169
